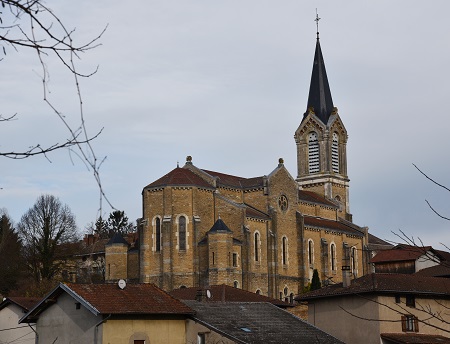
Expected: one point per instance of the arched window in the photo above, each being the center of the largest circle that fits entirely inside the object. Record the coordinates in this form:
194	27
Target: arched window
182	233
256	247
284	248
313	153
158	235
258	292
236	284
335	153
354	261
333	256
310	252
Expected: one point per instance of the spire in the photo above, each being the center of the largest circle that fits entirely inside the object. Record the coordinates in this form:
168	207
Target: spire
319	91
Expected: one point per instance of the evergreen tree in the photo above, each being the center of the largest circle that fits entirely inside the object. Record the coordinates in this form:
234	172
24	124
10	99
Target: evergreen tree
315	282
11	259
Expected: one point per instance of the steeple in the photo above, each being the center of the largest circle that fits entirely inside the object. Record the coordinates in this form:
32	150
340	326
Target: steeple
321	141
319	99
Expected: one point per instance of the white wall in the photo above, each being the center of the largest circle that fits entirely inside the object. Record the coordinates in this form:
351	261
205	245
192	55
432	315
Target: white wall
9	321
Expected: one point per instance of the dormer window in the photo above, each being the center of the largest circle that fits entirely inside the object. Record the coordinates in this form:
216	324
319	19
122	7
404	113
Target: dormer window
335	153
313	153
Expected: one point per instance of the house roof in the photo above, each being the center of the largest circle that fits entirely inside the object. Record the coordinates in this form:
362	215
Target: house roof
381	283
415	338
441	270
226	293
179	177
134	299
401	253
312	197
256	322
337	226
26	303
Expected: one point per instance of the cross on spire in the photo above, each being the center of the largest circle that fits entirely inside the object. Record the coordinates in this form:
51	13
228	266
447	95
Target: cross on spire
317	23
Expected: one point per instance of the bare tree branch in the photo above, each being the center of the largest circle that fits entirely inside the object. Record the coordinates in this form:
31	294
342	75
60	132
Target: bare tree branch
33	25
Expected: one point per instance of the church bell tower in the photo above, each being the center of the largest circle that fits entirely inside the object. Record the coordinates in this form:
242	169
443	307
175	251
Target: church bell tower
321	142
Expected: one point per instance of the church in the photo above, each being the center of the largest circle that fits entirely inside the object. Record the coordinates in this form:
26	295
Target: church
265	234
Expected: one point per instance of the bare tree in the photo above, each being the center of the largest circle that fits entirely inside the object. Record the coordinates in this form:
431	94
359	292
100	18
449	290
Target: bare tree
47	229
30	25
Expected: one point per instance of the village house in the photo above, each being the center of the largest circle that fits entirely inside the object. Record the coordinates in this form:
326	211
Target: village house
383	308
11	310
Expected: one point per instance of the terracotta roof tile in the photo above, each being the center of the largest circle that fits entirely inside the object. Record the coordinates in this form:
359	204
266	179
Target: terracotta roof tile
312	197
227	293
386	283
331	225
179	177
133	299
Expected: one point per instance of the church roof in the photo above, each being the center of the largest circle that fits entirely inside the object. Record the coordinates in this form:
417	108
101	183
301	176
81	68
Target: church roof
219	227
319	90
337	226
117	239
312	197
179	177
235	181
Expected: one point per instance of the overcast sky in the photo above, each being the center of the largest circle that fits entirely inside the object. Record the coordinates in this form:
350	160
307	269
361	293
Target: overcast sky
227	83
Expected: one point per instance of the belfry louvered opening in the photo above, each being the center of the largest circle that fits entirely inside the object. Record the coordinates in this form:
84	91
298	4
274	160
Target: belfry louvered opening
313	153
335	153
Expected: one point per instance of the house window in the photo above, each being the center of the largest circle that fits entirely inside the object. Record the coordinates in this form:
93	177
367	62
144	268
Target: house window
182	233
284	248
310	252
397	298
410	323
410	301
256	247
335	153
313	153
333	256
158	235
201	338
235	260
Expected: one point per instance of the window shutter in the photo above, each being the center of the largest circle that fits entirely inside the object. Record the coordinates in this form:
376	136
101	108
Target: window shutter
403	323
416	324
